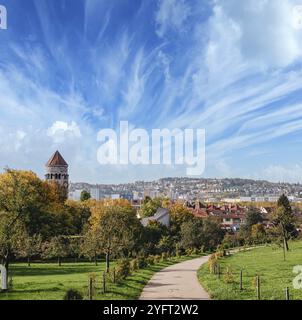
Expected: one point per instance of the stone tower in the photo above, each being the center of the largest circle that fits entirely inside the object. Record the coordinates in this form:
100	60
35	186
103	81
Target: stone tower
57	170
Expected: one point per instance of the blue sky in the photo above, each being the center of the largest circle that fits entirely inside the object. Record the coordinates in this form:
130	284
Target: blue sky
69	68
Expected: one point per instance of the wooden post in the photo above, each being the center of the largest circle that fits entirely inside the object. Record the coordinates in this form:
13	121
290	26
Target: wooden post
241	278
287	293
90	288
104	282
258	287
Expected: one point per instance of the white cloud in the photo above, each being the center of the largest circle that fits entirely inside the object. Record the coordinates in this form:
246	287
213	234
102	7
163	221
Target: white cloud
171	15
263	31
60	131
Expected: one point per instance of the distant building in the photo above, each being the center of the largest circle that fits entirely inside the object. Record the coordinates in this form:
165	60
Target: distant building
57	171
75	195
162	216
96	193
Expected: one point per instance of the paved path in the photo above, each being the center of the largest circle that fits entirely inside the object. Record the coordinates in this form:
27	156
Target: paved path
177	282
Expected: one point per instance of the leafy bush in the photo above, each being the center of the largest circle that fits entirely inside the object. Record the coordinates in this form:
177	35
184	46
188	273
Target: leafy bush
123	268
157	258
164	256
151	260
142	263
228	276
72	294
134	264
212	263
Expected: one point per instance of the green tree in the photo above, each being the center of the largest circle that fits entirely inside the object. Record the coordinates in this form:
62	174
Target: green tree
253	216
85	195
191	234
118	231
91	245
23	200
57	247
150	206
283	218
29	246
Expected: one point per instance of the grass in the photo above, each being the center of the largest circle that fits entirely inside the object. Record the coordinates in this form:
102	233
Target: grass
267	262
48	281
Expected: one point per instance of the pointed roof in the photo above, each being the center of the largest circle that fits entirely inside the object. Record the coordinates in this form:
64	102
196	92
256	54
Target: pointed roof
56	160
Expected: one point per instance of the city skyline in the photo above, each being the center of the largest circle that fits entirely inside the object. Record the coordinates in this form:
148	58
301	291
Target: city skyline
69	69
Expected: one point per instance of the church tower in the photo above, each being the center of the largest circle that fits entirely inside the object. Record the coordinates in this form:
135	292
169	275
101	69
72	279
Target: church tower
57	170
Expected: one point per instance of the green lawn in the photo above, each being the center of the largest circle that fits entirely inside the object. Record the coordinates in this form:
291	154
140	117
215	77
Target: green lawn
48	281
275	274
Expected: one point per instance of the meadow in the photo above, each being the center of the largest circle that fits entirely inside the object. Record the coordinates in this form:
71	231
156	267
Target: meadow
48	281
267	262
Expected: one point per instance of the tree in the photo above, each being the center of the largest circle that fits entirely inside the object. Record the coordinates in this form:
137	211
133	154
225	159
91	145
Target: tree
212	233
85	195
57	247
118	231
153	233
23	198
179	215
258	233
191	234
91	245
253	217
284	220
29	246
150	206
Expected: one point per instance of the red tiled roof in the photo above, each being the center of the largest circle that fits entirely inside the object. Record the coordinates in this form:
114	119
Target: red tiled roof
56	160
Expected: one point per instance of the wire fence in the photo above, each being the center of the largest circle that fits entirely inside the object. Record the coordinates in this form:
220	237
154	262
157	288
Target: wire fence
235	282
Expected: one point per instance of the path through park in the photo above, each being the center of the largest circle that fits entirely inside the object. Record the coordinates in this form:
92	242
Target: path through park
177	282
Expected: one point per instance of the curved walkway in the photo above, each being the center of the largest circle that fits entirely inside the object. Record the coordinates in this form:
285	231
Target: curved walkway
177	282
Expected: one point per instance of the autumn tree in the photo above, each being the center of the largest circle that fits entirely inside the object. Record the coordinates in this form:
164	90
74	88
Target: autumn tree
283	219
29	246
56	247
117	228
23	199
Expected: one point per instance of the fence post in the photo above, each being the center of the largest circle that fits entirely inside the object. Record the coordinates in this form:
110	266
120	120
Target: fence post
241	284
90	289
258	288
287	293
104	282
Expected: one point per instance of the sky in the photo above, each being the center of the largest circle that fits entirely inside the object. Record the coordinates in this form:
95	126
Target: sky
69	68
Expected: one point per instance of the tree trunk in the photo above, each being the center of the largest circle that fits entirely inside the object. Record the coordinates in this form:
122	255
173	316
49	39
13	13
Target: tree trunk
95	260
4	278
107	262
59	261
28	261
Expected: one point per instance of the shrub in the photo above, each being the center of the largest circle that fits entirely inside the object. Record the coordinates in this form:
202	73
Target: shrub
150	260
228	276
164	256
157	258
134	264
72	294
142	263
123	268
212	263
